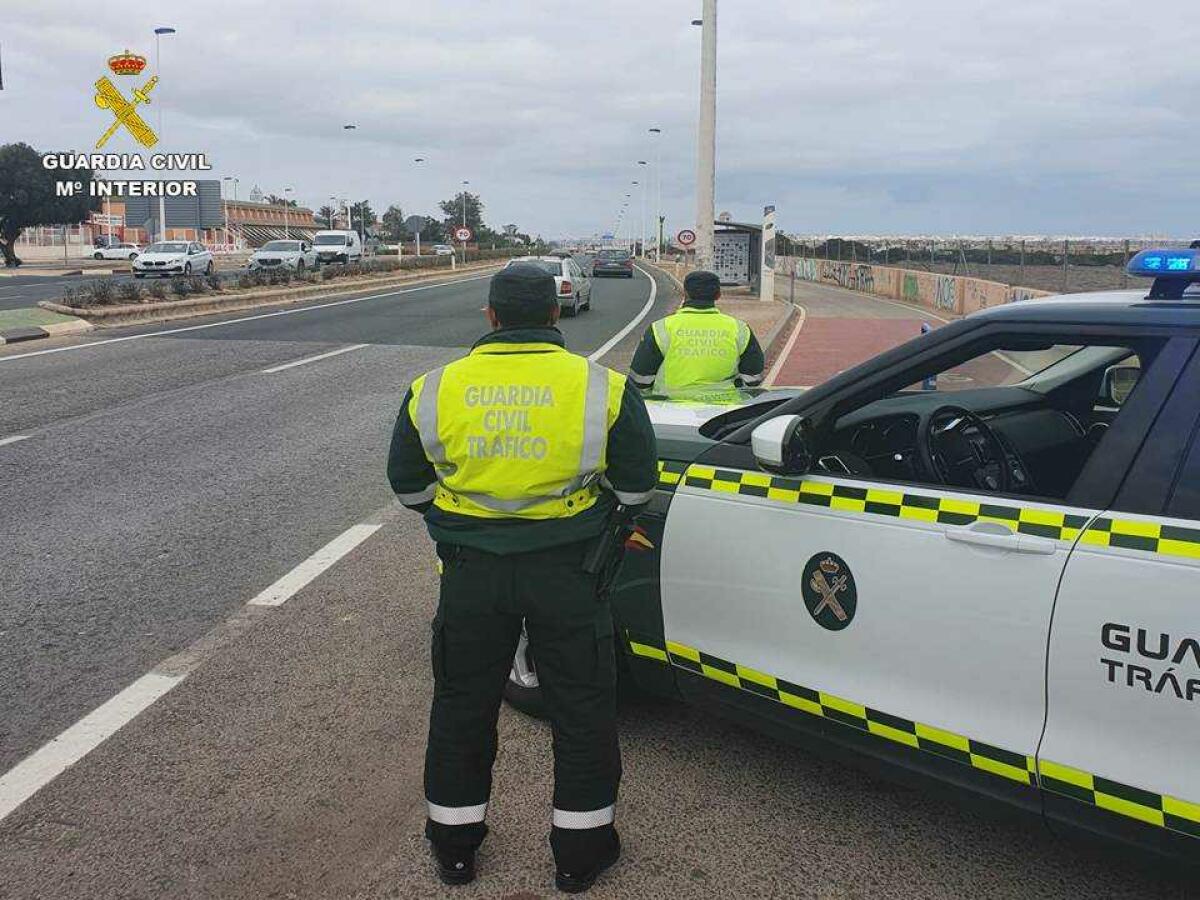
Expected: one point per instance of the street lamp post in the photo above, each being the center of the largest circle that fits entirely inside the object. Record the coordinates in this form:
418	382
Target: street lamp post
286	229
642	162
706	138
418	161
225	209
657	132
464	219
162	201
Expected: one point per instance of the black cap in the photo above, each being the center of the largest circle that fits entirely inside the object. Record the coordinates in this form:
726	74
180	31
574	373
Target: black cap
702	286
523	294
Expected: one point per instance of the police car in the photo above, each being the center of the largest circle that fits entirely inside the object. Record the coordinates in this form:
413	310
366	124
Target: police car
994	583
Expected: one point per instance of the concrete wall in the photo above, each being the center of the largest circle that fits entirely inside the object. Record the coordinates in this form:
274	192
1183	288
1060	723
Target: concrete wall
947	295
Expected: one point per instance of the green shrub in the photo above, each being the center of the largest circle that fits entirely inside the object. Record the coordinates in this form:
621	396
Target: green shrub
214	283
157	290
131	292
181	287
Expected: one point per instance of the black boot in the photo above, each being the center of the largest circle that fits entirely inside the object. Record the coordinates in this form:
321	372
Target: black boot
454	866
578	882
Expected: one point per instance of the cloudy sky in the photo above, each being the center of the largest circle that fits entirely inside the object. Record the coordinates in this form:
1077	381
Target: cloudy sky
864	116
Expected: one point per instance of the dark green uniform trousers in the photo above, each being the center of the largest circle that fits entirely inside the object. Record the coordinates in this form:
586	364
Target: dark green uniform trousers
484	599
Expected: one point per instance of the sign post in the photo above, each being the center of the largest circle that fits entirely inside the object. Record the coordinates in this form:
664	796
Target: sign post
463	234
766	270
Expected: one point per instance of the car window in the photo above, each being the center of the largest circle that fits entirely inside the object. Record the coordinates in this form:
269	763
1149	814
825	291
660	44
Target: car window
957	426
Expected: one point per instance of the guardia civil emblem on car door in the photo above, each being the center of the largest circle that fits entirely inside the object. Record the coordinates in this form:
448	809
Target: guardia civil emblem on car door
829	592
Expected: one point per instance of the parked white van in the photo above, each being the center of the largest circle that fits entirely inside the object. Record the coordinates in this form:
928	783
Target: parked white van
337	246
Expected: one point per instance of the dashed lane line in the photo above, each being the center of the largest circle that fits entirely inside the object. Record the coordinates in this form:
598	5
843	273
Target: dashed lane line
312	359
254	318
49	761
286	587
14	438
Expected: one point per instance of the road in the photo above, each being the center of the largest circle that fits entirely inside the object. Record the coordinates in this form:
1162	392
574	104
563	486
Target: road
167	476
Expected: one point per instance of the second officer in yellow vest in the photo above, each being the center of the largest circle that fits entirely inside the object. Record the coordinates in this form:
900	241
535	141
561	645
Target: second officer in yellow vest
699	348
518	455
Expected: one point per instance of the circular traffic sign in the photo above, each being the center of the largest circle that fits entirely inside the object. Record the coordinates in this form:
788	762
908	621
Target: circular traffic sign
687	237
462	233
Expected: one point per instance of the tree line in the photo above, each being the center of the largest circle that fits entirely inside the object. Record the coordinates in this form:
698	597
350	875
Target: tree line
395	225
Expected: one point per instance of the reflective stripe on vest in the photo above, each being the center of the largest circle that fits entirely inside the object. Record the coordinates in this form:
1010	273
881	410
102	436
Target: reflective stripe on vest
517	430
700	347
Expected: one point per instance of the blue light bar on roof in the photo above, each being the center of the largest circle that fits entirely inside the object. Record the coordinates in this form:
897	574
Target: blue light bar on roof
1172	271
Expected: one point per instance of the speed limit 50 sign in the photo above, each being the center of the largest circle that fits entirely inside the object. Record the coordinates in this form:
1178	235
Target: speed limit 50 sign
462	233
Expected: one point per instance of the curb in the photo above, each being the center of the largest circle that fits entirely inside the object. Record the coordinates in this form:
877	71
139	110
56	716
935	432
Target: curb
143	313
18	335
778	337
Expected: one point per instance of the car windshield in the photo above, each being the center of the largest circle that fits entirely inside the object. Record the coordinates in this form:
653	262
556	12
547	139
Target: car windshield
167	247
553	266
281	245
330	240
612	254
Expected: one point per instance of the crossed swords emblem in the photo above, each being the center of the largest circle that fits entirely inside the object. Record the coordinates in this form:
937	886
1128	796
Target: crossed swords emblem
829	594
110	98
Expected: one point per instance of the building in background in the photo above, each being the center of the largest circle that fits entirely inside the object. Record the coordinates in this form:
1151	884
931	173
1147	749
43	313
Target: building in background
220	224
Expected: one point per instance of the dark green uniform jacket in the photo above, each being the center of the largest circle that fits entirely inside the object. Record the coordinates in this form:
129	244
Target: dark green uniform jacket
632	468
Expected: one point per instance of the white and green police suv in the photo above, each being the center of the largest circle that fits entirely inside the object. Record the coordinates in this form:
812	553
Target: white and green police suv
994	583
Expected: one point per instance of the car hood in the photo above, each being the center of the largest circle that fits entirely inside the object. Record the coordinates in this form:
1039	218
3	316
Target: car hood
162	257
275	254
695	407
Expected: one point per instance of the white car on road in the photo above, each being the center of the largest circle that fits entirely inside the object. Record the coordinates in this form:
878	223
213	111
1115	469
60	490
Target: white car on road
117	251
294	255
571	283
443	250
173	258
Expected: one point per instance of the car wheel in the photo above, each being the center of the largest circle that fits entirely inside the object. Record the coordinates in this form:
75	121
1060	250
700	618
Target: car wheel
187	268
588	305
299	265
132	257
208	269
97	256
522	690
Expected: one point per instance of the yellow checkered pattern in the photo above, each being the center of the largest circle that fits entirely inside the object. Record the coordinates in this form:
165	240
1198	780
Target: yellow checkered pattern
1160	810
1143	535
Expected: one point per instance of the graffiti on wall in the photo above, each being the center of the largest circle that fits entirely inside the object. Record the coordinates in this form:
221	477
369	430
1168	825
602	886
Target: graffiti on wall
910	290
945	293
855	277
1017	294
806	269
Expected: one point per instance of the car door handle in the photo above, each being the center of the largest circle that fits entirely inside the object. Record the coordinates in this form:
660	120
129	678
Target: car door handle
999	537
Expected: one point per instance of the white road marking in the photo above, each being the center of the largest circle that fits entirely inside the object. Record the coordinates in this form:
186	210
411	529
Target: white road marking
283	589
14	439
787	349
45	764
280	312
311	359
633	323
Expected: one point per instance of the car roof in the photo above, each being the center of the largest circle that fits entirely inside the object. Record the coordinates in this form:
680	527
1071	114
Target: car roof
1098	308
556	259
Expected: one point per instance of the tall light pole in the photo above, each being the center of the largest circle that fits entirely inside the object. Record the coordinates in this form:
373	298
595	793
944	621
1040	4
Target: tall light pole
286	231
657	132
162	201
706	138
418	161
225	208
645	176
464	203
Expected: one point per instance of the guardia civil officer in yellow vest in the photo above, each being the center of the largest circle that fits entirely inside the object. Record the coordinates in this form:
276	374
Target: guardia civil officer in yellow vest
518	455
699	347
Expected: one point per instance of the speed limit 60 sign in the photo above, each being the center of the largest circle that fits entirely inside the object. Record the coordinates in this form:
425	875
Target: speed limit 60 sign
686	238
462	233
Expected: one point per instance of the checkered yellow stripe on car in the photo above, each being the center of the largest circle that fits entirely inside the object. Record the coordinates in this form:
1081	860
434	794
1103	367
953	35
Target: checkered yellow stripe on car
1147	536
957	747
1160	810
670	473
1048	523
1135	803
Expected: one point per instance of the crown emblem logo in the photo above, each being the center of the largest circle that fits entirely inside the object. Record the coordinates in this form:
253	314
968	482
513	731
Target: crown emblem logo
127	63
829	567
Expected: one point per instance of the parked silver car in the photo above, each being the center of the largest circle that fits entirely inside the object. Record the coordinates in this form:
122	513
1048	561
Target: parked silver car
294	255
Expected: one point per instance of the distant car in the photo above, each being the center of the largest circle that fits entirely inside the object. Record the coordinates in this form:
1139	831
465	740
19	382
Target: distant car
612	262
337	246
116	251
173	258
294	255
443	250
571	283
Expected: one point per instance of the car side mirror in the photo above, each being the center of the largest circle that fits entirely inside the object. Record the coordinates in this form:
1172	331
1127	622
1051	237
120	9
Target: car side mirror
783	445
1118	384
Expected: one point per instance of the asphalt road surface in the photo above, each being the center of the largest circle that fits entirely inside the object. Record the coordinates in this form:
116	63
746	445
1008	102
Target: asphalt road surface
166	476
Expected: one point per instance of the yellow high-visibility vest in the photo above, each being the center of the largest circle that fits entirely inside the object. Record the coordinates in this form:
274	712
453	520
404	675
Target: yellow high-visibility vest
700	348
517	430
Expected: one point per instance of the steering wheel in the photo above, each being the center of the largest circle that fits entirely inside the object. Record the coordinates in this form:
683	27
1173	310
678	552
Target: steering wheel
957	448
